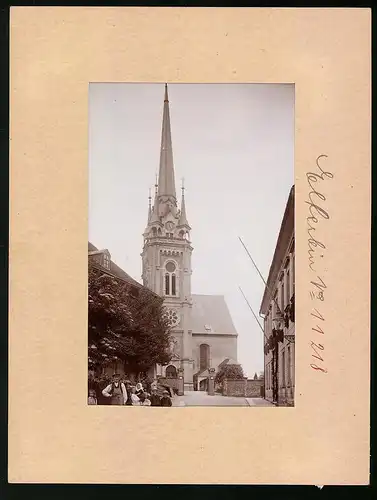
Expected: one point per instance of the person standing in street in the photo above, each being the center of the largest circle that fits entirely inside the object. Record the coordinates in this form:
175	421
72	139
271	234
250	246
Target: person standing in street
92	399
166	400
139	389
155	398
144	399
116	391
128	386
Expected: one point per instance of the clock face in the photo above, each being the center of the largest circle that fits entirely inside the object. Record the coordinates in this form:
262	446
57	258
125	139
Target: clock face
169	226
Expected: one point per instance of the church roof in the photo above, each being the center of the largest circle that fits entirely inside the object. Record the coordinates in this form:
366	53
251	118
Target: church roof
210	315
227	361
202	373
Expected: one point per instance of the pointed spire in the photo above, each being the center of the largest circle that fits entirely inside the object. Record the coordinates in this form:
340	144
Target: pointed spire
166	180
183	218
154	215
149	206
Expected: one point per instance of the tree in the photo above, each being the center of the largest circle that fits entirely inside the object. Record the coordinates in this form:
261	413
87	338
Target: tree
230	372
125	324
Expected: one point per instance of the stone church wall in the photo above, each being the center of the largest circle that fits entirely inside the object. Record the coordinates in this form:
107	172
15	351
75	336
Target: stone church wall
221	347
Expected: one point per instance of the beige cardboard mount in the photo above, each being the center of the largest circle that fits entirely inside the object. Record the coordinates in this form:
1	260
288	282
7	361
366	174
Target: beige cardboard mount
54	437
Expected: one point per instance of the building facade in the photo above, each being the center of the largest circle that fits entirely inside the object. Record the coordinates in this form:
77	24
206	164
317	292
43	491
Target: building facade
277	308
100	259
202	329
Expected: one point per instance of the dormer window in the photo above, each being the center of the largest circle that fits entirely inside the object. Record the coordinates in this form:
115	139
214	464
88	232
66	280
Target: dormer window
208	328
106	261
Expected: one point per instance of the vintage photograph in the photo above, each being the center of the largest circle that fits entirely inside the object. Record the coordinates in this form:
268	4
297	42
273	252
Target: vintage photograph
191	251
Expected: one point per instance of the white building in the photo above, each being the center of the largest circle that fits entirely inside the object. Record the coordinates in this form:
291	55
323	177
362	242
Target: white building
277	307
202	328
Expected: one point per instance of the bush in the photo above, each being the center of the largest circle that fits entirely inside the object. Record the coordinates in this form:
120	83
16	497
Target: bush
230	372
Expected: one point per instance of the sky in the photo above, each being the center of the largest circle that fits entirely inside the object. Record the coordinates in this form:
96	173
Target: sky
234	146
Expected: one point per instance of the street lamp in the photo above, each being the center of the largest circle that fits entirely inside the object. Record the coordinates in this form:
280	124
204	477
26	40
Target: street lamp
278	322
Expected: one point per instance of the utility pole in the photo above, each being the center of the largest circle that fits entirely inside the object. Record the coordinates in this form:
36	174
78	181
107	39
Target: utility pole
275	350
251	309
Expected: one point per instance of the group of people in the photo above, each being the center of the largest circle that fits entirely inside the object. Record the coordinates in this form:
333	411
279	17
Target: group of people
124	393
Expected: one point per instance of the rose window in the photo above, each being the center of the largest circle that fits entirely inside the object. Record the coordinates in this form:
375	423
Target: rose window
172	317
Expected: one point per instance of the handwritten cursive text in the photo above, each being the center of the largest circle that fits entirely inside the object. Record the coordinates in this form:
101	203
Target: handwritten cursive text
317	213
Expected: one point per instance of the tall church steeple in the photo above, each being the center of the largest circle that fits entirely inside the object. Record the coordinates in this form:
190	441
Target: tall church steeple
166	255
166	180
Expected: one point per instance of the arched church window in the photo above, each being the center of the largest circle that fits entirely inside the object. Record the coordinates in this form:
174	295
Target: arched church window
204	356
154	231
170	279
159	232
167	284
171	372
181	234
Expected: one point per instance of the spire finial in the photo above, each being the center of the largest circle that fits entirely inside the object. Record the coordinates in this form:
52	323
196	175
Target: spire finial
183	217
166	99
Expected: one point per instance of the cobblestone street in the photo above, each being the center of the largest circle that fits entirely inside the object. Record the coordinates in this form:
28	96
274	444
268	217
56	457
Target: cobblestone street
201	398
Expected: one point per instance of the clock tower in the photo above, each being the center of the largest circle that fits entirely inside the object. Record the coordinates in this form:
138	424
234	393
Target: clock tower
166	256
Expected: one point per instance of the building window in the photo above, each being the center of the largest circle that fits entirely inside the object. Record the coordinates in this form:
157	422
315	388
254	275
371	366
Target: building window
293	272
204	356
170	279
167	284
169	235
288	286
282	295
266	377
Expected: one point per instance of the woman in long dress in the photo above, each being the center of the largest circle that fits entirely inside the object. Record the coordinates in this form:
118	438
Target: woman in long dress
134	398
139	389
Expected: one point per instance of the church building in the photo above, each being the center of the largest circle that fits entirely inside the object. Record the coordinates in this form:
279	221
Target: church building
202	329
